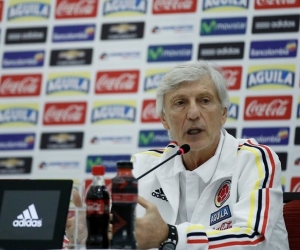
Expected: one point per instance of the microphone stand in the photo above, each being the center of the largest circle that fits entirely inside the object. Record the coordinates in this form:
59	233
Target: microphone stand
177	153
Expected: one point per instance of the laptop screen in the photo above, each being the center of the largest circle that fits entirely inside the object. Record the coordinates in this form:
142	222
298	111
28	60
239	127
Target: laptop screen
33	213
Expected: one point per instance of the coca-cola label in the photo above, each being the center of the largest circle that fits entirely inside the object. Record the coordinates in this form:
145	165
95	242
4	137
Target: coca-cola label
295	184
276	4
63	113
117	82
97	206
1	9
76	9
225	225
173	6
124	198
233	75
149	112
88	183
268	108
20	85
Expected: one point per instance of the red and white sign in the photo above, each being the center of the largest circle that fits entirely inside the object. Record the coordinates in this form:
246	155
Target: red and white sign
148	112
76	9
20	85
117	82
276	4
295	184
268	108
173	6
233	75
1	9
64	113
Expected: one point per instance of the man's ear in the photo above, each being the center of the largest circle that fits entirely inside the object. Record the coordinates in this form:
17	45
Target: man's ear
164	121
224	116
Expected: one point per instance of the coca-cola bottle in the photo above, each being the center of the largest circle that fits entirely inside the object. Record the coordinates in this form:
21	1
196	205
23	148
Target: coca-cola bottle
124	200
97	211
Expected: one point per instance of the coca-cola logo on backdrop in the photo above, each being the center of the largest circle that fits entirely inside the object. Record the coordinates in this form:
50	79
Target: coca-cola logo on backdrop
268	108
148	112
64	113
1	9
233	75
76	8
267	4
117	82
173	6
20	85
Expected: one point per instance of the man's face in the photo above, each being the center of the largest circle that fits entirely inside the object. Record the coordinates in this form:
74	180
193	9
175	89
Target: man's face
194	115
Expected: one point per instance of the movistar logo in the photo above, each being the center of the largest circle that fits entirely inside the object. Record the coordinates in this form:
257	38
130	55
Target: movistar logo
146	138
153	54
170	53
208	27
153	138
29	218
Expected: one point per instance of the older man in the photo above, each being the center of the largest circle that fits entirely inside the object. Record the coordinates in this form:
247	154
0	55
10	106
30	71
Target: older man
223	194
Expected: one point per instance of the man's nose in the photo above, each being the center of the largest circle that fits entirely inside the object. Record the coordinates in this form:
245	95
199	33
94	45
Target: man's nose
193	112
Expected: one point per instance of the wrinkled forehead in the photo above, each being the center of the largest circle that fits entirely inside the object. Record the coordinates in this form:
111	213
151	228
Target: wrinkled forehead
203	82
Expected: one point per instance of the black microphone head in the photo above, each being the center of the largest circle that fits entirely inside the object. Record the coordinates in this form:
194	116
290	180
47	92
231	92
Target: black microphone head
184	149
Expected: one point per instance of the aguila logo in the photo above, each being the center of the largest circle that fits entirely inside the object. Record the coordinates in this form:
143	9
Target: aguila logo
223	193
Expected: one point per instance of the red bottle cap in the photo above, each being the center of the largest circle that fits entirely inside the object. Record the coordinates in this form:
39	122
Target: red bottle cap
98	170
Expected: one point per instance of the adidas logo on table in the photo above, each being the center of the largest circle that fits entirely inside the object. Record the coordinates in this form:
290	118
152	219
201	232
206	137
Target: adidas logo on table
28	218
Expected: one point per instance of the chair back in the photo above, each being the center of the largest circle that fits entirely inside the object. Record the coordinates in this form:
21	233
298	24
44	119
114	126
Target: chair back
291	215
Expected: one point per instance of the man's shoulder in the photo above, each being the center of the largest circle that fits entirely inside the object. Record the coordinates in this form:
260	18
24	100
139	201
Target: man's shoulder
255	146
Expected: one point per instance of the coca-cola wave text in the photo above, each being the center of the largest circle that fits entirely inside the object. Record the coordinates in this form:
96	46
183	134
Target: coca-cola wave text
268	108
76	8
276	4
20	85
148	112
64	113
233	75
117	82
173	6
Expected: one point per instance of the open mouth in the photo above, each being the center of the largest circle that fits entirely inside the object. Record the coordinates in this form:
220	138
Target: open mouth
194	131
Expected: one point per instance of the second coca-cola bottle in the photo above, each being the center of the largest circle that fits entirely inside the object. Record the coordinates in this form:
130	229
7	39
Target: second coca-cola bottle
124	200
97	211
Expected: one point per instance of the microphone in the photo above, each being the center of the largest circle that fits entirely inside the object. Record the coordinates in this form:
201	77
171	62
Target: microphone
181	151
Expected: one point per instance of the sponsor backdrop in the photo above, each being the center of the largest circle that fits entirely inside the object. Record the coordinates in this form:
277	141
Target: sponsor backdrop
78	78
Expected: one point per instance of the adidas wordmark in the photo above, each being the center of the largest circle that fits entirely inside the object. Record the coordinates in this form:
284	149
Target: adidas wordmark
28	218
159	193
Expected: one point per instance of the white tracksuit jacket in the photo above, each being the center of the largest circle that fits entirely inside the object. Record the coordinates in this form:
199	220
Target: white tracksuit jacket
241	207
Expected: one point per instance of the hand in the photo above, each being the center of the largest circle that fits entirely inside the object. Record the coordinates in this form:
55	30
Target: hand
151	229
81	220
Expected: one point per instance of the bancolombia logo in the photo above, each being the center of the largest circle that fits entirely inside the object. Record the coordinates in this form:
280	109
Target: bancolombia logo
28	218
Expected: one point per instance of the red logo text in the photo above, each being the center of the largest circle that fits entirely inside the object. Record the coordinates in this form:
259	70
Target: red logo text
117	82
276	4
76	8
64	113
233	75
173	6
268	108
20	85
148	112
